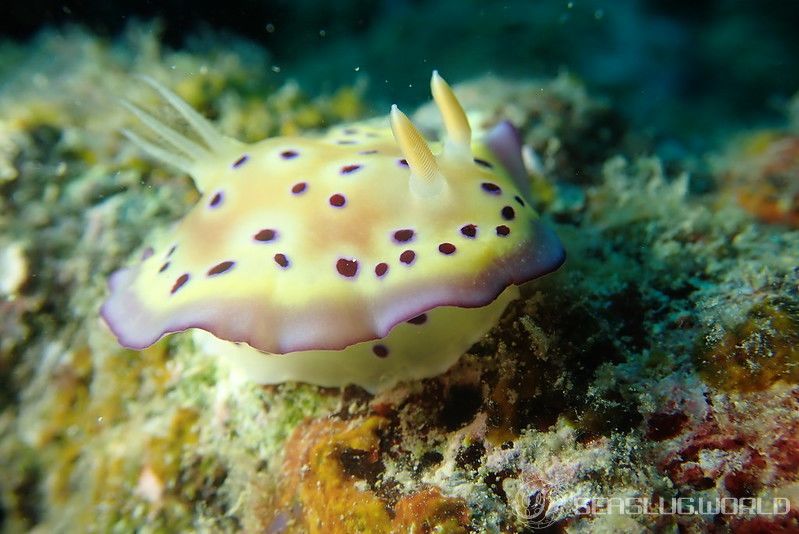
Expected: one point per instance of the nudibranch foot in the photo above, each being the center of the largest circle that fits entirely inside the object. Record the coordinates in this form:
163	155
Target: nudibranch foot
424	346
324	253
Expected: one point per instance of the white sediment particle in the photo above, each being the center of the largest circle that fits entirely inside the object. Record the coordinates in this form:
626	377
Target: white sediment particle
8	152
13	269
150	486
711	460
532	161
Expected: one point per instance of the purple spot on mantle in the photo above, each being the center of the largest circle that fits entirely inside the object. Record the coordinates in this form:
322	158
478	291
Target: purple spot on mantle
289	154
241	161
502	230
483	163
402	162
367	152
146	253
419	319
493	189
220	268
338	200
216	200
446	248
407	257
349	169
469	230
180	282
267	234
403	236
348	268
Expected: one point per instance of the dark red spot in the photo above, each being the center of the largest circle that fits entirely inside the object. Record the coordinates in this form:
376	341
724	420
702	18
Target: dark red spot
164	267
446	248
282	260
267	234
381	269
488	187
508	213
687	474
785	455
337	200
483	163
241	161
182	279
419	319
216	200
367	152
503	230
381	351
403	162
299	188
349	169
747	481
403	236
220	268
663	426
348	268
519	200
407	257
289	154
469	230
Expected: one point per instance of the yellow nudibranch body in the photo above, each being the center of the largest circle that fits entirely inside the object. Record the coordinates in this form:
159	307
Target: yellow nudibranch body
365	256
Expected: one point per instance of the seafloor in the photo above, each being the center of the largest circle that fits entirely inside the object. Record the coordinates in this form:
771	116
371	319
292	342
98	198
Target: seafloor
661	361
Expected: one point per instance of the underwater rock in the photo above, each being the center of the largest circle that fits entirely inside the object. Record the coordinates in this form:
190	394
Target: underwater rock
763	174
333	482
756	353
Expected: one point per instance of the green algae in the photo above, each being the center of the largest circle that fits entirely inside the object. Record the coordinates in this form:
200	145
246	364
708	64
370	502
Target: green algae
756	353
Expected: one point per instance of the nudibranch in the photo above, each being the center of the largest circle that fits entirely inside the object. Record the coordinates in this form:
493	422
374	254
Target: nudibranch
366	256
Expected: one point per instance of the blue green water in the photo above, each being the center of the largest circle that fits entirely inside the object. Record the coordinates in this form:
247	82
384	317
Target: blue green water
680	65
